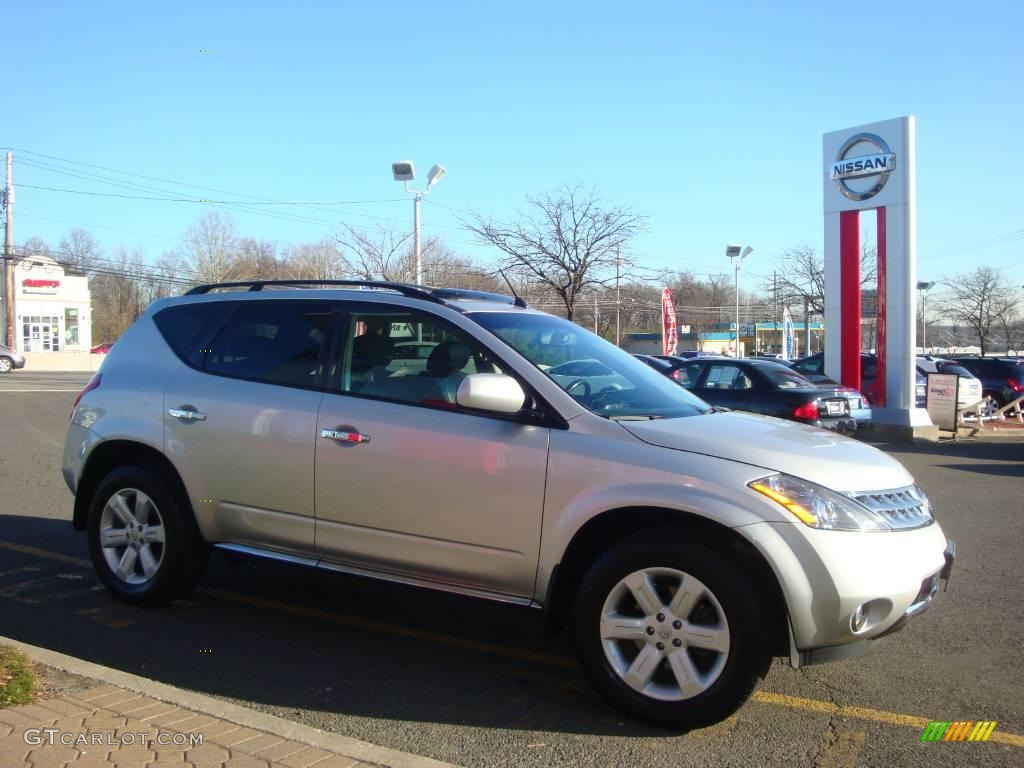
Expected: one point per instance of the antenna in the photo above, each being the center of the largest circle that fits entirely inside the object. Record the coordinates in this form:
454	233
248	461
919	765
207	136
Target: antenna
518	298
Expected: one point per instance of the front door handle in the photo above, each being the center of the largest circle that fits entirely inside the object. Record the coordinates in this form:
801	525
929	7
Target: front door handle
186	413
344	437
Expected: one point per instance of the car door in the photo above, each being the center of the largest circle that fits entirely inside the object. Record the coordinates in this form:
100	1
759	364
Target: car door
240	424
410	484
725	384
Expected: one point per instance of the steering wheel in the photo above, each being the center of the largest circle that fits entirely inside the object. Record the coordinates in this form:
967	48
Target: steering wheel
586	388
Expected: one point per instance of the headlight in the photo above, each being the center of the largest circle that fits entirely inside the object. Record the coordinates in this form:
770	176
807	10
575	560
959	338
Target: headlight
819	507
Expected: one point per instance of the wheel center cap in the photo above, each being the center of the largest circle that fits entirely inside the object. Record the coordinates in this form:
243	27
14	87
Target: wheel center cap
664	632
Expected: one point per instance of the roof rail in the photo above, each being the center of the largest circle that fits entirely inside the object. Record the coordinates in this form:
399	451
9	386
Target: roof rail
436	295
470	294
411	291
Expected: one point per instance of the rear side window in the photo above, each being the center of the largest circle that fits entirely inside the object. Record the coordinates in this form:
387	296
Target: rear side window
276	342
185	326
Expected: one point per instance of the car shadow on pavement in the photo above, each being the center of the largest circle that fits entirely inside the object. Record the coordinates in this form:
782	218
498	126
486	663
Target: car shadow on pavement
981	450
316	647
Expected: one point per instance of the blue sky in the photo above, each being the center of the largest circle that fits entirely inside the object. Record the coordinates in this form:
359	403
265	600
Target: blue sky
707	117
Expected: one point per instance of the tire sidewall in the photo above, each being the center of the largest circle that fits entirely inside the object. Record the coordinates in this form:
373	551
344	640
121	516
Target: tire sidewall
735	594
164	584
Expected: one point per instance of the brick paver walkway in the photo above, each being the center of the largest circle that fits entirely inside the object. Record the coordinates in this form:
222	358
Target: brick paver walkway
108	726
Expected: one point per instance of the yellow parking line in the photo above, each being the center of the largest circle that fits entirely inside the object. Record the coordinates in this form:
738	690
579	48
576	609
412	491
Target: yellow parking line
865	713
762	697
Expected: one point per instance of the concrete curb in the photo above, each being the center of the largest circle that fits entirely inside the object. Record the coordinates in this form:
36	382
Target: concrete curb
224	710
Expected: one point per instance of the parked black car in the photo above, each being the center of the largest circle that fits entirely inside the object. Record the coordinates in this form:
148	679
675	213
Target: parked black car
1001	378
813	368
767	387
662	364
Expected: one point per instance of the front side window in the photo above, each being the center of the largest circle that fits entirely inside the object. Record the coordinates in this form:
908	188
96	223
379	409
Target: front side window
408	357
603	378
277	342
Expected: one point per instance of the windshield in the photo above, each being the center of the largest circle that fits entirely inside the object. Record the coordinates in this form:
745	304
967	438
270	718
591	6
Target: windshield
597	374
782	377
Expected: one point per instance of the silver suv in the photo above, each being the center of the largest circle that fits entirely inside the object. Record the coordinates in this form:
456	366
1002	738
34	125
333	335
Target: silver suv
465	442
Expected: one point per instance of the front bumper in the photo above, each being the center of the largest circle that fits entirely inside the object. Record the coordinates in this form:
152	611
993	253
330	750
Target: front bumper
826	576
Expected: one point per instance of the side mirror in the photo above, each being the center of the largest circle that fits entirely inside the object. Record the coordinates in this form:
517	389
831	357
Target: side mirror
491	392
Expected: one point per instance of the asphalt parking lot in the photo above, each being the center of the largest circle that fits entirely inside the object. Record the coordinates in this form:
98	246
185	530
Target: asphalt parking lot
476	684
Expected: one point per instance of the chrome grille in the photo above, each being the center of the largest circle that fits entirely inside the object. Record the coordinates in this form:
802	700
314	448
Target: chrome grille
902	508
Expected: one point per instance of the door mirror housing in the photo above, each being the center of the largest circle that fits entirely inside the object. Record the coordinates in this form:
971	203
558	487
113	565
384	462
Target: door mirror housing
493	392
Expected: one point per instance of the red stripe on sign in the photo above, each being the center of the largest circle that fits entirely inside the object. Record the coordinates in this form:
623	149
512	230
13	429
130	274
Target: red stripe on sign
880	312
849	298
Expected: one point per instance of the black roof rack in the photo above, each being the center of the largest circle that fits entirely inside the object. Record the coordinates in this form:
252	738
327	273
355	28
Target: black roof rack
258	285
436	295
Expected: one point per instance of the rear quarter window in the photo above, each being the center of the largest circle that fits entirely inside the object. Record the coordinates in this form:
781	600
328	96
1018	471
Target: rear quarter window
185	326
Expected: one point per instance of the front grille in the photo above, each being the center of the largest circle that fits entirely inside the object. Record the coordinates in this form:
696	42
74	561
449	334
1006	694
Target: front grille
902	508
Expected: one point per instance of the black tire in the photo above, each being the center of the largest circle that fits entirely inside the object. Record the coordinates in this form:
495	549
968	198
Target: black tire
747	657
182	552
6	365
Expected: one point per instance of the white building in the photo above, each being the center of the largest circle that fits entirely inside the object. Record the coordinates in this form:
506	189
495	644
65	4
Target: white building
51	309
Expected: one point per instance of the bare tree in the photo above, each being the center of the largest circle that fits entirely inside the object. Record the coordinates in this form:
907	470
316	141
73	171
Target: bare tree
569	240
800	272
978	299
382	254
79	250
322	260
258	260
211	250
1006	316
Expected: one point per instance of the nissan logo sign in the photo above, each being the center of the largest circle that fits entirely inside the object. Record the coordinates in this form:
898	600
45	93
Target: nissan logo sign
874	167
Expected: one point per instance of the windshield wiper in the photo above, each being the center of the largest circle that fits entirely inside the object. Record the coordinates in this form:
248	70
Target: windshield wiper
633	417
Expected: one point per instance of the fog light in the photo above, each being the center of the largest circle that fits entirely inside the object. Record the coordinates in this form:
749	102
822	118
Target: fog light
859	619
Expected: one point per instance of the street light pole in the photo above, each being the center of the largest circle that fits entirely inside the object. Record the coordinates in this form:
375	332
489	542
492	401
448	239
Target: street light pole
734	252
405	171
417	196
923	286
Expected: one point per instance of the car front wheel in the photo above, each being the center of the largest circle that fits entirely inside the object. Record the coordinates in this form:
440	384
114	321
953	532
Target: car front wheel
668	631
5	365
142	546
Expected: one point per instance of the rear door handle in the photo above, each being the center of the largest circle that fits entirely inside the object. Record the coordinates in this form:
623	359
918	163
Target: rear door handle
186	413
344	437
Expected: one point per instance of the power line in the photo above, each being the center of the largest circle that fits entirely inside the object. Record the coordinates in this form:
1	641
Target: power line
196	200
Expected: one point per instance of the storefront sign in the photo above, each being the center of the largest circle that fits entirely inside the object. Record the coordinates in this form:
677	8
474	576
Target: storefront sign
942	398
36	285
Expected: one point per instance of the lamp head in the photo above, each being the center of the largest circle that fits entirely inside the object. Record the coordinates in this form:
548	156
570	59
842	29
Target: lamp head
436	174
403	170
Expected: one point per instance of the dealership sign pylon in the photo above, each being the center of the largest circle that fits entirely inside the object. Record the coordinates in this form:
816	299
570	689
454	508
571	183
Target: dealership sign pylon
872	168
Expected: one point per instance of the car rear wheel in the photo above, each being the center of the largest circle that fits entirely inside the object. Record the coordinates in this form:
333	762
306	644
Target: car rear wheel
143	547
668	631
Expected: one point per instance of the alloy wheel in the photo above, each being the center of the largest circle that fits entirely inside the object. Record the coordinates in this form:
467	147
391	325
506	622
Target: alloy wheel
665	634
131	534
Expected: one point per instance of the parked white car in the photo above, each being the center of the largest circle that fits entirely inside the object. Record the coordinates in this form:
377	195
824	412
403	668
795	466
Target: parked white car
969	387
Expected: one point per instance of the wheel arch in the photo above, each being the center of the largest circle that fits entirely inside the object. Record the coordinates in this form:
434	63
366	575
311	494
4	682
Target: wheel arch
603	530
111	454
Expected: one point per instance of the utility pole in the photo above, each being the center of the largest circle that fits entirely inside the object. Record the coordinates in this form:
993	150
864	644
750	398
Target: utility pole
595	312
9	253
618	300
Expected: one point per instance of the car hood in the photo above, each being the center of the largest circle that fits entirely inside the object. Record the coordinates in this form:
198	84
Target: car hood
829	459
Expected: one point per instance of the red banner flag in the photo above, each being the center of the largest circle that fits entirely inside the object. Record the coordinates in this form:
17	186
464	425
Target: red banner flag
669	337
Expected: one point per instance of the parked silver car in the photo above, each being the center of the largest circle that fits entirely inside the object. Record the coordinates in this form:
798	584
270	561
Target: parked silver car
684	547
10	360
